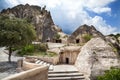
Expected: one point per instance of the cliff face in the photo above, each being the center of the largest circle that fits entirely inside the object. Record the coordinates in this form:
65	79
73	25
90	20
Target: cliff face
83	30
39	17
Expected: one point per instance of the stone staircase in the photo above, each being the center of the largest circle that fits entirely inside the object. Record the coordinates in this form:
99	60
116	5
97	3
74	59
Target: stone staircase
62	72
41	62
63	75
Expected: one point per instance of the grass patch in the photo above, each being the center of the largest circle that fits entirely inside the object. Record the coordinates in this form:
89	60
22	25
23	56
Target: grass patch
51	54
39	54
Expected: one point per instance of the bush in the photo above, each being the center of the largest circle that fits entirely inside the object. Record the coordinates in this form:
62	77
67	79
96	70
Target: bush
27	50
112	74
57	36
31	49
87	37
41	47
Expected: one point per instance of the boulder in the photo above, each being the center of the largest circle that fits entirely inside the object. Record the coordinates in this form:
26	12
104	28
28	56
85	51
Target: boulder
96	56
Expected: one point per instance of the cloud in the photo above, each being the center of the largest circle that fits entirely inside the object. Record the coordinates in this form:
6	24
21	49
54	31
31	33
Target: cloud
103	26
101	10
70	14
100	6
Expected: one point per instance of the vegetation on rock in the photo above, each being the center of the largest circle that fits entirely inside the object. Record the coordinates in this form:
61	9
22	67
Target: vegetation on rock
87	37
57	36
116	36
38	16
112	74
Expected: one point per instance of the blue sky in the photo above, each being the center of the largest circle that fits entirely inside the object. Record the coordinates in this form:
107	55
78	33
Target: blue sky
70	14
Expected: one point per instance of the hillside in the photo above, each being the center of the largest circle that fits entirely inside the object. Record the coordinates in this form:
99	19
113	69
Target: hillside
84	31
39	17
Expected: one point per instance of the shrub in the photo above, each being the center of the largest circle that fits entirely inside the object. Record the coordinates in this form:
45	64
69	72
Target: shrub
41	47
112	74
26	50
29	48
87	37
57	36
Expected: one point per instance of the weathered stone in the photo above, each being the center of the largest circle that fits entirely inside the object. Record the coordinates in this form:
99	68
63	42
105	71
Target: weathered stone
114	42
96	56
79	33
39	73
39	17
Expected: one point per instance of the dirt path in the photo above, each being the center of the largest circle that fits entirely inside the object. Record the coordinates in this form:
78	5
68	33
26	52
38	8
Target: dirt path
6	68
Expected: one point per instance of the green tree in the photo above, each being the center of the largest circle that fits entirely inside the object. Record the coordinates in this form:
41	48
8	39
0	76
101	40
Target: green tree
112	74
15	32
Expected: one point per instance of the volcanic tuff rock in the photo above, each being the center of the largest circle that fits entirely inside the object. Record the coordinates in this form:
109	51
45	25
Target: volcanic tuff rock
39	17
115	42
82	31
96	56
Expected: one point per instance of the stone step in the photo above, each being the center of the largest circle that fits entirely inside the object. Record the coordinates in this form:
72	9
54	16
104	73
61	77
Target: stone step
48	64
68	78
37	62
51	72
65	74
41	62
44	63
51	67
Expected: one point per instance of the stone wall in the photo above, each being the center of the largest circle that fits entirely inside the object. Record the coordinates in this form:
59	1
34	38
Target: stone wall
70	55
27	65
39	73
52	60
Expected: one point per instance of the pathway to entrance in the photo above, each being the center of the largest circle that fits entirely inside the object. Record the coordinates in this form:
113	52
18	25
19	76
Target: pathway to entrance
7	69
65	68
65	72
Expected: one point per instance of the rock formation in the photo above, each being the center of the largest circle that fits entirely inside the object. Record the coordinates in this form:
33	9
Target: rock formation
82	31
39	17
96	56
115	42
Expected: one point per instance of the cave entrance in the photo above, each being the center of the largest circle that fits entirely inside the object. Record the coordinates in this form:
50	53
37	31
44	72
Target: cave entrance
77	40
47	40
58	41
67	60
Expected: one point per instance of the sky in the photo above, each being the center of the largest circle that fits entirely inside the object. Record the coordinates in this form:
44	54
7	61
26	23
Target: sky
70	14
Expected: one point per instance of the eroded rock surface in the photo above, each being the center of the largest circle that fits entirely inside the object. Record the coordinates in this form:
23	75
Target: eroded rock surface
96	56
39	17
82	31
